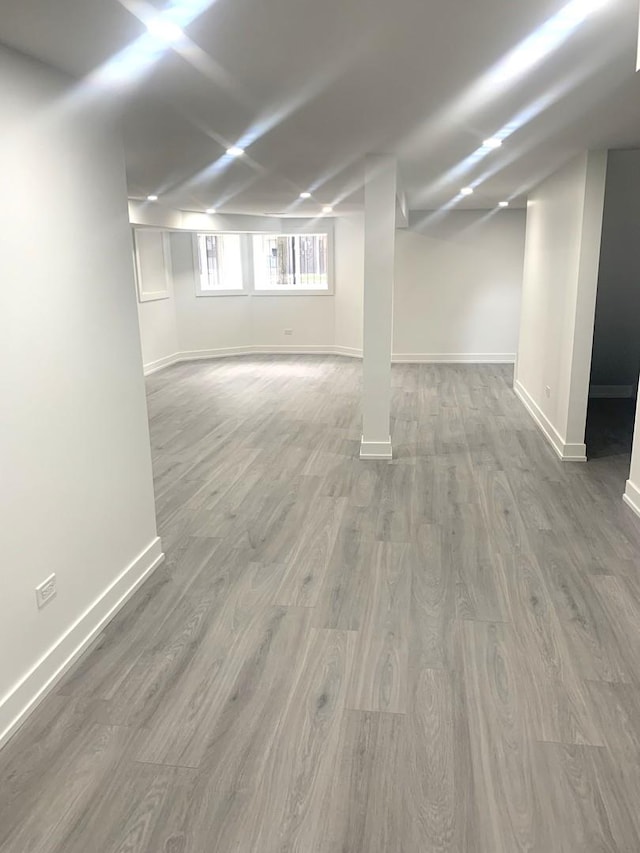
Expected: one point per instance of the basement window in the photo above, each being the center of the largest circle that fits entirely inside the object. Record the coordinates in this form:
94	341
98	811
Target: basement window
219	264
285	263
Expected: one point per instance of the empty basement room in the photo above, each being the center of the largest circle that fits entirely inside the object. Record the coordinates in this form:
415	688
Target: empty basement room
320	475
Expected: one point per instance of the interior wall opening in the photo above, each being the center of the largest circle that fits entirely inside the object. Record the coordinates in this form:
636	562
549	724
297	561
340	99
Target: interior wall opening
615	365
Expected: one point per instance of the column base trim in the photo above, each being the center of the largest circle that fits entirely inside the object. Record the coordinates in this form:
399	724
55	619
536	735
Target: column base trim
566	452
376	449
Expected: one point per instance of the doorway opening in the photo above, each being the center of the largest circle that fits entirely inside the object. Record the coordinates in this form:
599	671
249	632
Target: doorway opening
615	365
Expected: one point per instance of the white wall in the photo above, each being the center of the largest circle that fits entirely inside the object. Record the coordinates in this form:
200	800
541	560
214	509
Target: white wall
564	223
458	286
76	494
616	343
456	297
158	331
208	324
349	297
157	316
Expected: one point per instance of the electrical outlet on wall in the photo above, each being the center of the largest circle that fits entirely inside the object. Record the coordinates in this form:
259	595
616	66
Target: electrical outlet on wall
46	591
547	390
288	331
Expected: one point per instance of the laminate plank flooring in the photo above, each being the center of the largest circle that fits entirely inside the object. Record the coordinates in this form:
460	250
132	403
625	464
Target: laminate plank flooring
440	654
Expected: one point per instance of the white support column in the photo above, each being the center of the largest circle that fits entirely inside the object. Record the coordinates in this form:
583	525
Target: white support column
379	250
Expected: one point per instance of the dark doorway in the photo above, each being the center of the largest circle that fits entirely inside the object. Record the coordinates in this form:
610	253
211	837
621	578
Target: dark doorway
616	342
610	424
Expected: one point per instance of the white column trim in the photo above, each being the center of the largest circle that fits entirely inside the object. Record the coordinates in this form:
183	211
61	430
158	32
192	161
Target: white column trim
381	450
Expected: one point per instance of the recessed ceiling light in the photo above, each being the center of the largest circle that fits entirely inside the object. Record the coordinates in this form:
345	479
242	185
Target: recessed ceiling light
327	209
165	31
466	191
152	198
211	210
493	142
305	195
504	204
234	151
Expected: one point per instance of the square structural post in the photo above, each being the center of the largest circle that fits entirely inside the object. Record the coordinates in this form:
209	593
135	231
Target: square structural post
379	253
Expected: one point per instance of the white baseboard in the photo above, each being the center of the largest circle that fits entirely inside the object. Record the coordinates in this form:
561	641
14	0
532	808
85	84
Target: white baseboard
454	358
23	698
270	349
376	449
632	497
267	349
161	363
350	352
574	453
566	452
611	392
204	354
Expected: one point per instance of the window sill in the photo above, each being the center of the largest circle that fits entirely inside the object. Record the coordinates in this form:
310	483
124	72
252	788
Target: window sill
207	293
291	291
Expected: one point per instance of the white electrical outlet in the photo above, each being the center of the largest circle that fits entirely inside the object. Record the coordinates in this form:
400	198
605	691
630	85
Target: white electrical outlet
46	591
548	390
288	331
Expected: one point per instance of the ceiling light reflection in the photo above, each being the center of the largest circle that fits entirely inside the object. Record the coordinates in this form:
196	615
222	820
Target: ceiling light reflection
166	32
536	108
545	40
504	75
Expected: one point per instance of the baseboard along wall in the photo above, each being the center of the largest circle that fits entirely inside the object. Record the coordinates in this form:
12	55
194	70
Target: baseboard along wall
24	697
566	452
397	358
632	497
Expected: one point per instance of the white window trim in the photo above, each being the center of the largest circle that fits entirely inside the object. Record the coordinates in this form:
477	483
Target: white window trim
196	267
153	295
296	290
248	272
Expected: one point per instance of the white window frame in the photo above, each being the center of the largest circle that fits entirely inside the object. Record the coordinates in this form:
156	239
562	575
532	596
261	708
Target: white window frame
247	260
152	295
200	291
295	290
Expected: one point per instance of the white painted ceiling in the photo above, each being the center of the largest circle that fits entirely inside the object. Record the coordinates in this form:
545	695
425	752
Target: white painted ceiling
310	86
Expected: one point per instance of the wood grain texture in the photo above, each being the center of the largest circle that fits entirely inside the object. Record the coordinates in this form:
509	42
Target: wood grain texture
380	671
432	605
298	771
439	804
439	654
364	809
585	806
558	702
508	811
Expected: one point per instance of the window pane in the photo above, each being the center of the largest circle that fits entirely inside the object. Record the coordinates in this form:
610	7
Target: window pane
220	262
291	262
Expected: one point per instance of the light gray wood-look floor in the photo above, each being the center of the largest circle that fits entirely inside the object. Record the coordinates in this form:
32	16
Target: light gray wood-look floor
436	654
